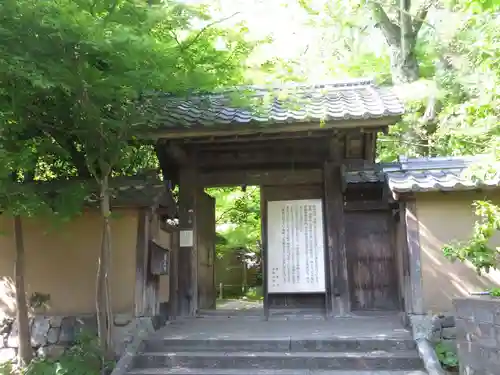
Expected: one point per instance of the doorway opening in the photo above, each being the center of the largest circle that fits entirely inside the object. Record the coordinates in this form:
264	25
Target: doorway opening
238	274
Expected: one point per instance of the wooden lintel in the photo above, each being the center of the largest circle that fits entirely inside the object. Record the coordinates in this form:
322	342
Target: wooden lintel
366	206
217	145
263	137
253	160
260	177
198	131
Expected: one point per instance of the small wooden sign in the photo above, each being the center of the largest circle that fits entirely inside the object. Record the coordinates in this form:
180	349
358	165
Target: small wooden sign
160	260
186	238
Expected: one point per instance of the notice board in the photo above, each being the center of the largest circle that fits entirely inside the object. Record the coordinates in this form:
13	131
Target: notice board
295	246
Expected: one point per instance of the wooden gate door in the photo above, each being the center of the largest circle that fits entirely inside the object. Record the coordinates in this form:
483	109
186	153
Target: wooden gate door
205	229
371	261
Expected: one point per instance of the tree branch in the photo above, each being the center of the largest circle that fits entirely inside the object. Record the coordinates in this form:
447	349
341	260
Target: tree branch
77	157
391	31
200	33
421	15
407	37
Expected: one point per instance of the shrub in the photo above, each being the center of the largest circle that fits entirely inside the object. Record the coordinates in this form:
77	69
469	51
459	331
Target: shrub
82	358
447	356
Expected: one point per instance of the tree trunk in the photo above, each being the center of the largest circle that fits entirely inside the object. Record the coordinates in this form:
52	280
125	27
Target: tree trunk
404	67
103	295
402	38
25	353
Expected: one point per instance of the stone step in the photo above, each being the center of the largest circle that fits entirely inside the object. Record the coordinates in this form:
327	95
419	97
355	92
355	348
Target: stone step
209	371
375	360
284	344
258	314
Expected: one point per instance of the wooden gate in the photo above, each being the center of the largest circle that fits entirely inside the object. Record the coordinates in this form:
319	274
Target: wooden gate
371	261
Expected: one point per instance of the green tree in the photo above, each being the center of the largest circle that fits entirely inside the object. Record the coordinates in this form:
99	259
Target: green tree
238	220
85	78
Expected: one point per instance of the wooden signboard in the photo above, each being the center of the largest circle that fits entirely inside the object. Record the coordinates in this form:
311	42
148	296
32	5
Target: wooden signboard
160	259
296	248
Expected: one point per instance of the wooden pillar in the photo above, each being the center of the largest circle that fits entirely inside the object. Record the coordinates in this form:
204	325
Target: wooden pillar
335	239
187	259
263	250
141	263
174	275
414	262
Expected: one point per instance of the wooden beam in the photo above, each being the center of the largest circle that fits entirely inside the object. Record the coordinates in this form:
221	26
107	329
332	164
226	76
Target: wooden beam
265	157
198	130
253	145
366	205
310	134
260	177
335	238
414	261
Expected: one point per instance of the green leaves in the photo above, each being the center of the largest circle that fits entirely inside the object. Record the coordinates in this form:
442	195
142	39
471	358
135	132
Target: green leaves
478	250
237	219
447	355
74	77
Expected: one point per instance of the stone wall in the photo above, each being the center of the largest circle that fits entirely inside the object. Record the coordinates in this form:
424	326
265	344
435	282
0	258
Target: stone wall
444	330
51	335
478	335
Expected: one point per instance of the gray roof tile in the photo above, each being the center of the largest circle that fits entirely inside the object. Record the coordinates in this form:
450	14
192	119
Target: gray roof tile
348	100
438	174
426	175
140	190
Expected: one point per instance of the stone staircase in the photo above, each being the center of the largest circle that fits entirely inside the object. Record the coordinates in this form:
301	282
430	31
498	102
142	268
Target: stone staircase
277	356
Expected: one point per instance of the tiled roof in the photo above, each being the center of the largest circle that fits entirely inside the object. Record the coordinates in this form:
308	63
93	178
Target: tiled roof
437	174
132	191
348	100
368	174
425	175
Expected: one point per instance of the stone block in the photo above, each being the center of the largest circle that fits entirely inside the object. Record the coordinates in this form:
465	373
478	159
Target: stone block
443	321
68	330
464	308
463	328
447	321
158	321
122	337
470	354
421	326
122	320
86	324
483	334
483	313
55	321
449	333
51	351
39	330
53	335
